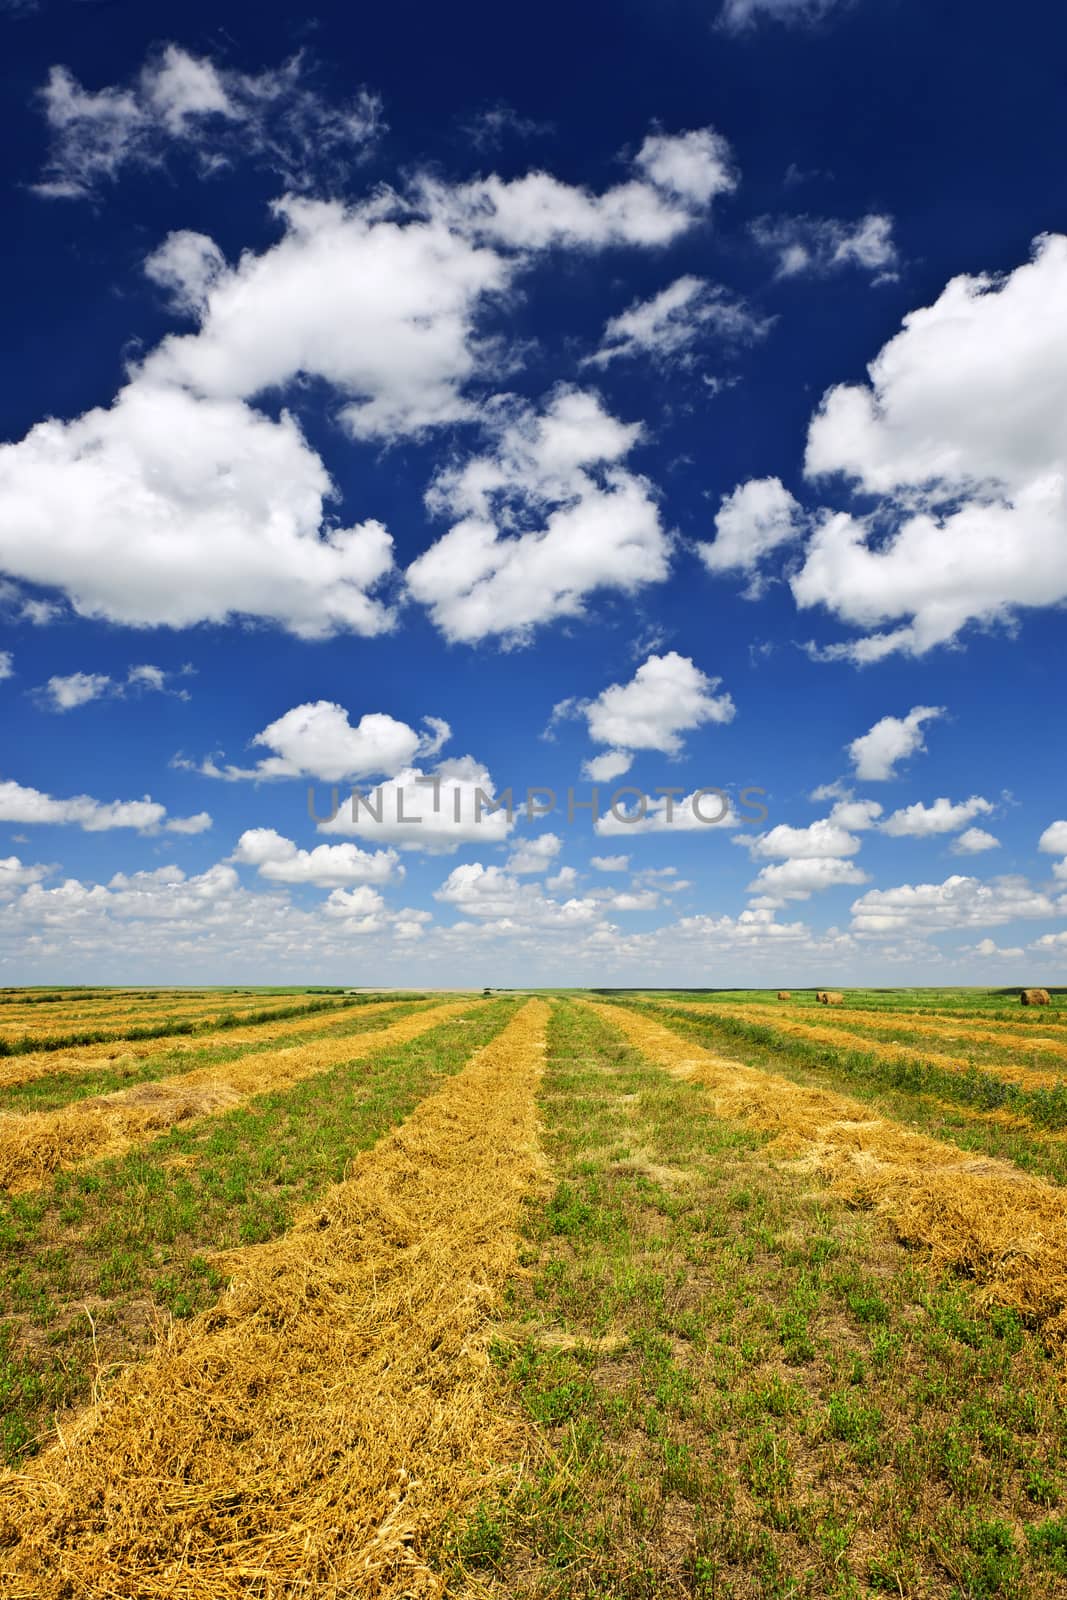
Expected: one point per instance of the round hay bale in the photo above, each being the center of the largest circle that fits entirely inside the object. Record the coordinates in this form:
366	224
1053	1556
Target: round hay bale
1035	997
785	994
820	996
833	998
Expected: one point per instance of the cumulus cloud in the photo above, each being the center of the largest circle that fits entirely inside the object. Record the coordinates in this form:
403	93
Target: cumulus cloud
973	841
824	839
610	863
279	860
179	101
7	665
20	804
799	877
543	522
666	327
603	768
435	811
923	822
1053	841
229	520
534	855
958	902
876	753
317	740
491	894
960	433
667	697
16	874
820	246
756	518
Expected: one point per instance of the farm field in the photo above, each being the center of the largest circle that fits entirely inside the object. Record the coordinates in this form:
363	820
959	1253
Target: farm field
556	1294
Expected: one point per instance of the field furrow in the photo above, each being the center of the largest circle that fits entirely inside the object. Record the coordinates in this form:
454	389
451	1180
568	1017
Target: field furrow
42	1042
877	1024
313	1432
985	1218
34	1144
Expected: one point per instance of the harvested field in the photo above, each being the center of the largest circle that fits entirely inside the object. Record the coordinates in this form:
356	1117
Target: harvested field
20	1069
837	1032
921	1027
34	1144
313	1431
1007	1231
342	1329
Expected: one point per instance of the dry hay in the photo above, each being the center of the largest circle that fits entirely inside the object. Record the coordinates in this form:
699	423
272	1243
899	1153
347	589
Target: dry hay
309	1435
785	994
980	1216
965	1030
33	1144
80	1058
1035	997
820	995
842	1037
831	997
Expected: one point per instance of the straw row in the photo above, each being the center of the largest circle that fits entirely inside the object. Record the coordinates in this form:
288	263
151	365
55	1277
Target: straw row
82	1058
976	1215
845	1039
34	1144
311	1433
965	1032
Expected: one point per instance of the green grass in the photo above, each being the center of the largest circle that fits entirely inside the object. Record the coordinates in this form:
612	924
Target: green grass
91	1261
746	1389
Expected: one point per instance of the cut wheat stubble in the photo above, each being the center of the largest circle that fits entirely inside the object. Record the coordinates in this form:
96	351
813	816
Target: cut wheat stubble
311	1433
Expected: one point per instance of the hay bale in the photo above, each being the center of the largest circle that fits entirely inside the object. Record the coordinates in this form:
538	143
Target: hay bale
831	997
785	994
1035	997
820	996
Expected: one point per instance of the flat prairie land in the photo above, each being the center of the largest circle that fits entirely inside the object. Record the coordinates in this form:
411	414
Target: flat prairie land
637	1294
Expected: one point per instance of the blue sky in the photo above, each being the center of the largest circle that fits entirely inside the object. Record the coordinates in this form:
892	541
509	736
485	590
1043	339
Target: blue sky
669	397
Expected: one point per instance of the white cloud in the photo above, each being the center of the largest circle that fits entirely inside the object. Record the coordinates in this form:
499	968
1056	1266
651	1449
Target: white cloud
668	325
819	246
64	693
633	900
1053	841
799	877
973	842
701	810
534	855
317	740
76	689
738	15
603	768
958	902
961	432
563	881
875	754
490	894
610	863
328	865
19	804
435	811
824	839
546	520
988	948
757	517
856	815
220	116
667	697
16	875
7	665
229	518
923	822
